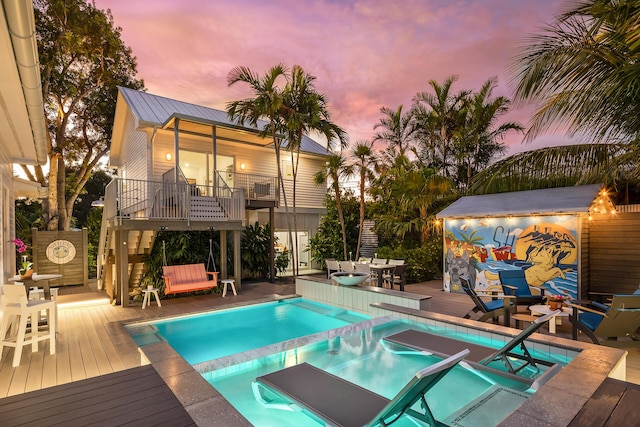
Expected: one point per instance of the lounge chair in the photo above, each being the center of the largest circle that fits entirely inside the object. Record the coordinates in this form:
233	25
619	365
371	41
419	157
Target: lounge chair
342	403
489	309
479	356
604	324
515	284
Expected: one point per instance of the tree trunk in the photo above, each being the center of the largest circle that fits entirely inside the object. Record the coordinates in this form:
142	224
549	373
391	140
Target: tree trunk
361	228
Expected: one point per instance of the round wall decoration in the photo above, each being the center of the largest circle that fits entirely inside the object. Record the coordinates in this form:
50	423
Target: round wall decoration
60	251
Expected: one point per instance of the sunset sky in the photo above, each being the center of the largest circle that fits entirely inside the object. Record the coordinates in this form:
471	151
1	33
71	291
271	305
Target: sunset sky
365	54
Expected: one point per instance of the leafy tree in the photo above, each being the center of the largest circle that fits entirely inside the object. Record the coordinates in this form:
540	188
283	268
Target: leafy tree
582	71
327	242
256	240
82	62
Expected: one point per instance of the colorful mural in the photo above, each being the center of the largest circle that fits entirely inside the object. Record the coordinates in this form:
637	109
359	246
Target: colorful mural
545	247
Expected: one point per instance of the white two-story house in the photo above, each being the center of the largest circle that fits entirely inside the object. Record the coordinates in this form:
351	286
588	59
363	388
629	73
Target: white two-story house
187	167
22	124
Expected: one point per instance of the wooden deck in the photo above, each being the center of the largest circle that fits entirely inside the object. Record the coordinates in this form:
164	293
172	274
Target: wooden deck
615	403
133	397
93	342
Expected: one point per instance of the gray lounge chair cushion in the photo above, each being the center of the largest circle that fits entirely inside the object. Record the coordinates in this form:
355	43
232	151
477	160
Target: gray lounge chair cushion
331	398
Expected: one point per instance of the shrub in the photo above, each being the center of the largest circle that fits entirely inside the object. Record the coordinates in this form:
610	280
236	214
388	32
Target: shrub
423	263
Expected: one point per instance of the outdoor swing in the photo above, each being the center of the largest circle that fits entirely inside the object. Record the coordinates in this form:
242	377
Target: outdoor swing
188	277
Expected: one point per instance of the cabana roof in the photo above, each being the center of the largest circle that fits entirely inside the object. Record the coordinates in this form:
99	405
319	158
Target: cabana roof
550	201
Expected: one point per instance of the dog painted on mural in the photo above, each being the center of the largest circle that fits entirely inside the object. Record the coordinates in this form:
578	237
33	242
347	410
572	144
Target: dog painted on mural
459	266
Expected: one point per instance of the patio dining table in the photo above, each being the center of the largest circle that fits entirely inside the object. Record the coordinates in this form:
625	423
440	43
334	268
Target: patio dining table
37	280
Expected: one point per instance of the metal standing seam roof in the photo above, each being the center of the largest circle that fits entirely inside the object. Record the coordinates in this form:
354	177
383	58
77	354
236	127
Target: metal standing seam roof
563	200
156	110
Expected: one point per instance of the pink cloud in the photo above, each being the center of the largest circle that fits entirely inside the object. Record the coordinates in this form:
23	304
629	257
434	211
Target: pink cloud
366	54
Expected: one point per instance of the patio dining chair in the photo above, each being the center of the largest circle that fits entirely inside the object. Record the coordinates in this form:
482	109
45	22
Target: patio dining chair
515	284
346	266
332	266
492	309
397	277
605	324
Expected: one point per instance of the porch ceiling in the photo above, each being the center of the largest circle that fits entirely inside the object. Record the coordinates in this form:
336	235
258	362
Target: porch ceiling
205	128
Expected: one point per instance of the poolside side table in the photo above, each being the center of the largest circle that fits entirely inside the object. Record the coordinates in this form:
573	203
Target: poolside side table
146	301
226	283
542	309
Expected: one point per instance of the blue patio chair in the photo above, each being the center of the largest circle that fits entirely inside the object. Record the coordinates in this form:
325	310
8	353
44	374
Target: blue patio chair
488	309
604	324
515	284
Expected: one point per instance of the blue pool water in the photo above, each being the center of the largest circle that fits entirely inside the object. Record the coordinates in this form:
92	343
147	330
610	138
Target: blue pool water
216	334
357	357
361	359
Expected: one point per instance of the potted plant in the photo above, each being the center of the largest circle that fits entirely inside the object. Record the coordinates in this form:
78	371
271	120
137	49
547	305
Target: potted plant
555	302
26	268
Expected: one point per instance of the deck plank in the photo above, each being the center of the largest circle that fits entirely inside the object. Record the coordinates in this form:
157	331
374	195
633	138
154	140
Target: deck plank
136	396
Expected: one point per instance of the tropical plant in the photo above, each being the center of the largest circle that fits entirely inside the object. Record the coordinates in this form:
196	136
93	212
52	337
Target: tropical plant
557	167
82	62
437	117
583	71
479	140
395	129
267	104
256	250
364	164
305	111
419	194
282	262
327	242
336	169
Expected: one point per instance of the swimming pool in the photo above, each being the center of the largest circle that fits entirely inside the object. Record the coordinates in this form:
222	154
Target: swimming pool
212	335
360	358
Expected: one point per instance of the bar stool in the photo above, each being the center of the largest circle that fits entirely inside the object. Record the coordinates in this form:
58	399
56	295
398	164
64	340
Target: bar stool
227	282
16	306
146	300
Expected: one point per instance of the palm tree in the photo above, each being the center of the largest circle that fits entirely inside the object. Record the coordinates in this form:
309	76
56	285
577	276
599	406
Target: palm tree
396	130
267	103
437	117
479	140
419	190
365	159
306	111
583	70
337	168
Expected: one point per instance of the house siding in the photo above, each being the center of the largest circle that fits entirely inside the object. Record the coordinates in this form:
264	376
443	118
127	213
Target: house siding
7	249
135	151
258	161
